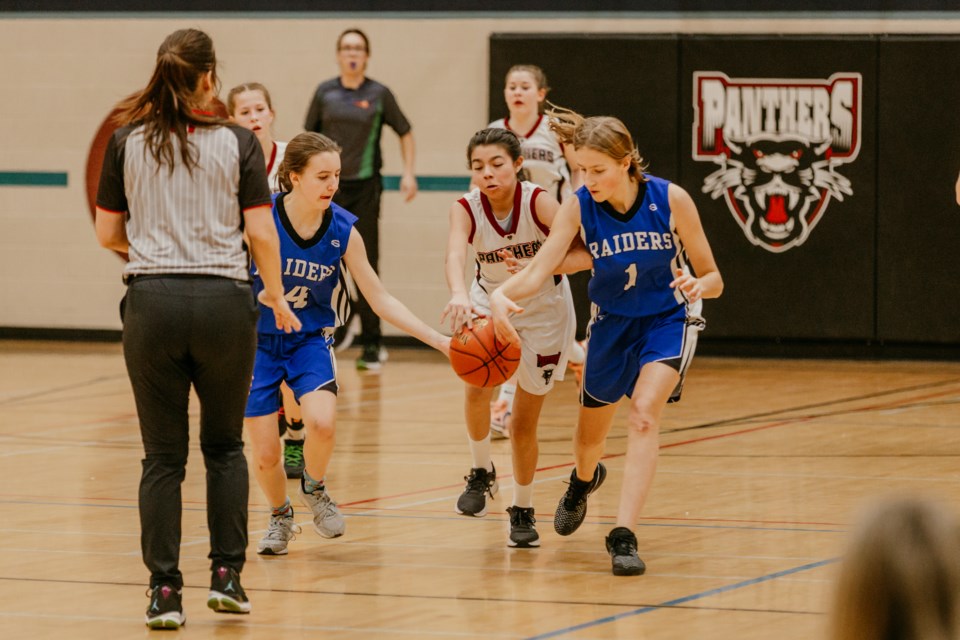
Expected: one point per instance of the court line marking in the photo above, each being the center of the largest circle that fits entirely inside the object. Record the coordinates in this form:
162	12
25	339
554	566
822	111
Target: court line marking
683	599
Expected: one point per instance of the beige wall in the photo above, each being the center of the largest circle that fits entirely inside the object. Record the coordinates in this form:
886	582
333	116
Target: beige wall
61	76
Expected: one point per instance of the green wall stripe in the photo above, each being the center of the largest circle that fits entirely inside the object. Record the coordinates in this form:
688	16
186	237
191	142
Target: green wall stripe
430	183
33	178
390	183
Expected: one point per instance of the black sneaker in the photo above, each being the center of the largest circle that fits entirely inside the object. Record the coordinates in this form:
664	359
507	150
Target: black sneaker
572	508
165	610
293	457
473	500
226	594
371	358
522	532
622	547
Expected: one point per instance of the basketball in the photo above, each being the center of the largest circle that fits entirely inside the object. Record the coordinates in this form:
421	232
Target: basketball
479	358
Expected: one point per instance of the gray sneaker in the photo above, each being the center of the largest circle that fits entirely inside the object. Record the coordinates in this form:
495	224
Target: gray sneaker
327	519
280	531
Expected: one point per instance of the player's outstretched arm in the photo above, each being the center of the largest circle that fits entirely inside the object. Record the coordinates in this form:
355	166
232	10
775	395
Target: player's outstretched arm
565	226
383	303
460	310
563	229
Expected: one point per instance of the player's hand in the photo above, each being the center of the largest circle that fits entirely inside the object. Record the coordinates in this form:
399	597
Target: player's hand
460	312
282	313
501	308
514	264
408	187
690	286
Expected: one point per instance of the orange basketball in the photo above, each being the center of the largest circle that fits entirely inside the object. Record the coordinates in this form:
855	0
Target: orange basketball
479	358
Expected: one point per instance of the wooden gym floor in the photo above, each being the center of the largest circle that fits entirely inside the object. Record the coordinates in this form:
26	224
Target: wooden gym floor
762	468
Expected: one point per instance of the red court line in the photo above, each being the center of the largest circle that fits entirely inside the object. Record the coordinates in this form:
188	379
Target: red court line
779	423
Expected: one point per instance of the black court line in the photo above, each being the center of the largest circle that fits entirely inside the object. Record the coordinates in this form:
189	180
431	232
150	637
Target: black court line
69	387
817	405
411	596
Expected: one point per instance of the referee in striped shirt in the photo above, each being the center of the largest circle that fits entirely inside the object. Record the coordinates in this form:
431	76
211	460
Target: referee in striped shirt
178	188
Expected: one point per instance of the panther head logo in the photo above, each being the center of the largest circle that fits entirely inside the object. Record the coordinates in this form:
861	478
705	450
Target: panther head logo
778	143
777	187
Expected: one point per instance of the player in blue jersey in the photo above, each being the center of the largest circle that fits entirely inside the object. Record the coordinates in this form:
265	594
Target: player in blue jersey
315	235
652	266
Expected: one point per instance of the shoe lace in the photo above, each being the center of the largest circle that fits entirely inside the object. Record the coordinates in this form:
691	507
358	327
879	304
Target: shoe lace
623	546
479	481
293	455
327	505
282	528
575	493
521	517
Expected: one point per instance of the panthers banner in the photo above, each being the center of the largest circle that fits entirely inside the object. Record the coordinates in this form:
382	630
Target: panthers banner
779	146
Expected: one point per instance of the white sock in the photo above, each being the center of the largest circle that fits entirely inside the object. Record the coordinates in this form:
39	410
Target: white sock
480	450
507	391
523	495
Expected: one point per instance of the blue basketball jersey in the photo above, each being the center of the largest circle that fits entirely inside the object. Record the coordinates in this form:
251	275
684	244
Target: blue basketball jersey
635	254
313	280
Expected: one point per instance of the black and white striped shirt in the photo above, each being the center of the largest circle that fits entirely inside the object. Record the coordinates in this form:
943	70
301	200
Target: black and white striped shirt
183	223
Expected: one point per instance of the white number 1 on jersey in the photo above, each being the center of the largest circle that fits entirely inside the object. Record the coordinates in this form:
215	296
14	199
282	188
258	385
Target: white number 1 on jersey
631	277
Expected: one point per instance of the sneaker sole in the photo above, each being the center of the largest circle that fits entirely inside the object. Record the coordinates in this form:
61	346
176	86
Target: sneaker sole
628	571
533	544
167	621
272	552
225	604
327	534
293	474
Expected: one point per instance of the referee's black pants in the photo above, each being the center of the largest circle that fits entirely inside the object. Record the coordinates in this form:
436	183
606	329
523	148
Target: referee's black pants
178	332
362	199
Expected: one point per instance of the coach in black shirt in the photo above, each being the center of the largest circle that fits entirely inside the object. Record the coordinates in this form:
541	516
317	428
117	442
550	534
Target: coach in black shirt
352	110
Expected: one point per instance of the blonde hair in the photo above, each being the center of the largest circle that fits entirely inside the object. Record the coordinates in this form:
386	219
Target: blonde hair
900	578
298	153
605	134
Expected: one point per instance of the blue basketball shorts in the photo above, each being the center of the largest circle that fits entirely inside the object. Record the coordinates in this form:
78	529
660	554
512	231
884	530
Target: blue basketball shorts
305	361
618	347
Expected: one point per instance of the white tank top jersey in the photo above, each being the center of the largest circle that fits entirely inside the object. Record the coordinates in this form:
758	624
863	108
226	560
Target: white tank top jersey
273	163
523	237
543	158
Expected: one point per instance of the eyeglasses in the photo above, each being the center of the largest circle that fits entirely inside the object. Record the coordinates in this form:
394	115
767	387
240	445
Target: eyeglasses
353	47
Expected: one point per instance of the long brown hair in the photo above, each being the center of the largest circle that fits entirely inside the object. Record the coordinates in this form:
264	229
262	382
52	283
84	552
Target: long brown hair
298	153
900	578
605	134
169	103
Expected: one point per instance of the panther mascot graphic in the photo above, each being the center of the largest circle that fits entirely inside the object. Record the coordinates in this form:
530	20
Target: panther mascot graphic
777	186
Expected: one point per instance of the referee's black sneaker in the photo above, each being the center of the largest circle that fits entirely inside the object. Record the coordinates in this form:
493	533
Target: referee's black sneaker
572	508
